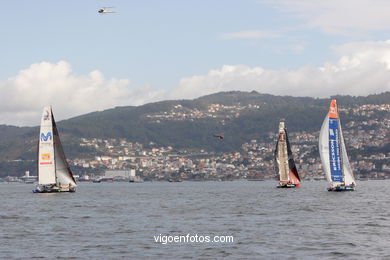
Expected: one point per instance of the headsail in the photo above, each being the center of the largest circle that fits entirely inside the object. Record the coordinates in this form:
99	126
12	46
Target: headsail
294	176
63	172
347	170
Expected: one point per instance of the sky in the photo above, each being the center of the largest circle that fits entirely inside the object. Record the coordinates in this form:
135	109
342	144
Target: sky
66	54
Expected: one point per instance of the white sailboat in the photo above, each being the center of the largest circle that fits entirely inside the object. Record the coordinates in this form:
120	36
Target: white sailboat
54	174
284	161
333	153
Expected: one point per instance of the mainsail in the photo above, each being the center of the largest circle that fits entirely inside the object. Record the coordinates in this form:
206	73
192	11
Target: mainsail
284	161
52	165
333	154
46	160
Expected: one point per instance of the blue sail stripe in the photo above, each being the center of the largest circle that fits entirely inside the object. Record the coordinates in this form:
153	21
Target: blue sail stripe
334	150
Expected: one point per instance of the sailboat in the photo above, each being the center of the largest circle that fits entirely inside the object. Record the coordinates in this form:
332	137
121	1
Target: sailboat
54	174
284	161
333	154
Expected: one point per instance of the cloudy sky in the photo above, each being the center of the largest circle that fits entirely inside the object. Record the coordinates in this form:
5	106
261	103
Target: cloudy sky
65	54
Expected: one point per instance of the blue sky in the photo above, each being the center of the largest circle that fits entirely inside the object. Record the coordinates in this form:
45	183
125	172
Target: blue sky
166	49
156	41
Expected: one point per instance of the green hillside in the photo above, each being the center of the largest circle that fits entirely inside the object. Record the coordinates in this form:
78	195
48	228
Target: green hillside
257	116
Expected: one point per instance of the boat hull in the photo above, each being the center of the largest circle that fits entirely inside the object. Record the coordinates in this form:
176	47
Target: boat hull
48	189
287	186
341	188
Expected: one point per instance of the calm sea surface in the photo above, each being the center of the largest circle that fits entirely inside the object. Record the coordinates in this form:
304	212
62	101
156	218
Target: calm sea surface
120	220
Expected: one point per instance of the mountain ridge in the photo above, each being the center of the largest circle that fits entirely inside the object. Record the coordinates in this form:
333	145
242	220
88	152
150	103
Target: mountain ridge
240	116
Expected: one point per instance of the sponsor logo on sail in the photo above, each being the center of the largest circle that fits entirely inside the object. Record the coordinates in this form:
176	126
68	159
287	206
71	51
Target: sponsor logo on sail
334	151
333	109
46	137
46	159
45	156
45	163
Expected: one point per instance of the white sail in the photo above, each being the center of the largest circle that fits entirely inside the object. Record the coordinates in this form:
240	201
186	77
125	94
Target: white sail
46	156
52	165
282	156
347	170
324	148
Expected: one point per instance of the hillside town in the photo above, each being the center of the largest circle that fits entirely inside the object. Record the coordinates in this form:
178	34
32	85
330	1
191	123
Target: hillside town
119	159
215	111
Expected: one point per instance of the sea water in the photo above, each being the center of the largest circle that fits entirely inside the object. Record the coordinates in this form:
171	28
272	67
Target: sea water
132	221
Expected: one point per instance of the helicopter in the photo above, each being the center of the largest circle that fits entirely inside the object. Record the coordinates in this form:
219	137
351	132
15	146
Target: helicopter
106	10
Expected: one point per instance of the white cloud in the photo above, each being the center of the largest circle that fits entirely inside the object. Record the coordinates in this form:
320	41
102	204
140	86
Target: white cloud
250	34
339	17
363	70
366	52
23	96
